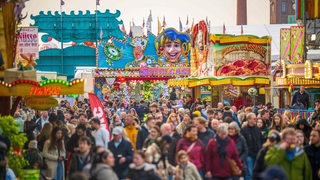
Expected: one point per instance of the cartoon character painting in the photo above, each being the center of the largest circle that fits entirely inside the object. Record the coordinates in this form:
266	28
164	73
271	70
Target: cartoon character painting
173	48
200	49
140	59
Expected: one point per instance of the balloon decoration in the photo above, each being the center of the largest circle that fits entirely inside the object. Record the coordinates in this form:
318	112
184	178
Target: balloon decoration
252	91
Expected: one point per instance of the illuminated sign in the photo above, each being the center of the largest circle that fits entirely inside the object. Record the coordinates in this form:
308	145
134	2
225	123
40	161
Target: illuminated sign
165	71
44	91
41	103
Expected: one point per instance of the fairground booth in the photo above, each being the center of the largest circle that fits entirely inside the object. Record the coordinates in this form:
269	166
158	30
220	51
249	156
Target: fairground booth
140	66
295	70
227	68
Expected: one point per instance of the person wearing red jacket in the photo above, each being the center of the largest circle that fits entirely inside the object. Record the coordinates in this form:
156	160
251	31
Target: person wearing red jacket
217	153
193	146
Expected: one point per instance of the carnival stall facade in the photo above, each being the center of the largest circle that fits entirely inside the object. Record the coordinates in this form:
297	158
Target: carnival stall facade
228	66
140	66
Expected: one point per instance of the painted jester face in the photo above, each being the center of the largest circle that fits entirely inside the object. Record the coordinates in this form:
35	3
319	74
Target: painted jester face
172	50
138	52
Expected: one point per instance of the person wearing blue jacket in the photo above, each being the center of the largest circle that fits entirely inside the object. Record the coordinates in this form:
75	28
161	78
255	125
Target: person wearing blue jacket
122	151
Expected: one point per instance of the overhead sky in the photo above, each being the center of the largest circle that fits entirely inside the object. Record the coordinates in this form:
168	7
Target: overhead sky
219	12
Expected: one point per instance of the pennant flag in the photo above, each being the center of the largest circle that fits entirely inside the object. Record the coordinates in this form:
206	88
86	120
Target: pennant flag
98	2
130	32
164	24
98	110
159	26
192	25
143	23
241	30
224	29
101	33
123	29
180	25
61	2
149	21
133	22
187	21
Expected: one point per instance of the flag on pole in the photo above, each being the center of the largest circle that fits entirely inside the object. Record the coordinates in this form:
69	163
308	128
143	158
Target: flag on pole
224	29
98	111
61	2
143	23
192	25
130	32
180	25
164	24
149	21
159	26
241	30
133	22
187	21
98	2
101	33
123	29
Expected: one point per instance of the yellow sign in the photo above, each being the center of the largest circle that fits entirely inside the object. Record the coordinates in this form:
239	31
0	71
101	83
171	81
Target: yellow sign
41	103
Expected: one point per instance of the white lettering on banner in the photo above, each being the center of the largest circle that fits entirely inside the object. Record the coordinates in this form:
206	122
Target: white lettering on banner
97	112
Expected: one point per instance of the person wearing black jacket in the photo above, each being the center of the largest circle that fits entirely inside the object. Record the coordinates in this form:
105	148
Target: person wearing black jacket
144	132
313	153
259	165
254	139
122	151
301	96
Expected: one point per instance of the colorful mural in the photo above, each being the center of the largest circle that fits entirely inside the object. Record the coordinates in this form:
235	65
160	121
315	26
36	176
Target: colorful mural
241	55
170	48
199	51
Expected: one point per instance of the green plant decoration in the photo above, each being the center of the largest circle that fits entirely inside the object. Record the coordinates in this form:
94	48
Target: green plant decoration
146	89
9	128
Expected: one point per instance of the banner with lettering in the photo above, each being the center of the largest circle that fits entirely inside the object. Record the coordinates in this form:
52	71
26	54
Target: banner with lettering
98	110
241	55
297	44
285	42
27	43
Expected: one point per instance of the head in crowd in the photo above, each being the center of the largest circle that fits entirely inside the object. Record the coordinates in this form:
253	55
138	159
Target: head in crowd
139	158
273	138
233	129
56	139
251	119
191	133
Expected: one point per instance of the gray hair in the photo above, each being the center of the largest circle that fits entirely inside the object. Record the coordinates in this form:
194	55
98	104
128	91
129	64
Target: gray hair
222	128
235	126
250	115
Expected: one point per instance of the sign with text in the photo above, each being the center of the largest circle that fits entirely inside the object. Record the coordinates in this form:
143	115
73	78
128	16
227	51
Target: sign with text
28	42
164	71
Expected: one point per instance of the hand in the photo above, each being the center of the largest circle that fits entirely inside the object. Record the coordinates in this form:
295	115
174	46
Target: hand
208	174
61	158
122	160
76	149
284	145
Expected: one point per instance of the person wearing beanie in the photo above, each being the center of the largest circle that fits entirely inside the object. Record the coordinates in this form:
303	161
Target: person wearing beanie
33	156
274	172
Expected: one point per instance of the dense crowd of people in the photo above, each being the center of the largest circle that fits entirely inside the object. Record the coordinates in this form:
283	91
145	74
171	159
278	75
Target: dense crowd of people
181	139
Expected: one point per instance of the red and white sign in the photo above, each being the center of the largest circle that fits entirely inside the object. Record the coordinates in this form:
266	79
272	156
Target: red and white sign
98	110
28	42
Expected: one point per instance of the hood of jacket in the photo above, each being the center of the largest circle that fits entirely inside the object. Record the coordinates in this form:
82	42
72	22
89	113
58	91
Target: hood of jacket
99	167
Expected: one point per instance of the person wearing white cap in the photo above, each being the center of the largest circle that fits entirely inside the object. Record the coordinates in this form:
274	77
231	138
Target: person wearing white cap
122	151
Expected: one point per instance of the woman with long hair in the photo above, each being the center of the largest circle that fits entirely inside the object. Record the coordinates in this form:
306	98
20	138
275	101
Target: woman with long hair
44	135
174	118
102	166
54	153
133	112
277	123
152	137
